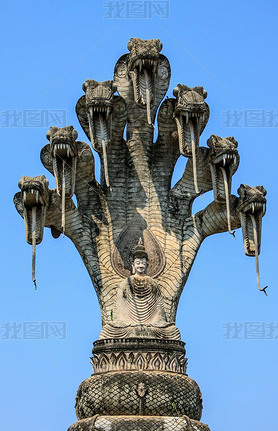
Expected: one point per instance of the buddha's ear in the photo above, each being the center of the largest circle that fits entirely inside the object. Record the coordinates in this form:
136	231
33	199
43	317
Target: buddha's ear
132	269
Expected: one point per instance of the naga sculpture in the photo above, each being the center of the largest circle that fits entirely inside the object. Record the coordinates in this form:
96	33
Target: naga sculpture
137	235
33	204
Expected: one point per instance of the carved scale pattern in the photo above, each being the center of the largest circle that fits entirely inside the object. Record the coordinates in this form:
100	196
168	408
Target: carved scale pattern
114	393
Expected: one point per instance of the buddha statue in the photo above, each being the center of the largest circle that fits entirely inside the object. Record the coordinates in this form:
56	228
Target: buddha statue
138	308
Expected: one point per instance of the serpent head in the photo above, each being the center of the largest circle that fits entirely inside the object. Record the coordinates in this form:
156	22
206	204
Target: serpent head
252	207
99	100
191	115
223	156
64	156
35	198
142	67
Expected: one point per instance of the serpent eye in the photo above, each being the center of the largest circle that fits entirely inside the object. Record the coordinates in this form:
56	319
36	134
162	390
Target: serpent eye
74	134
262	189
85	86
159	45
176	91
241	191
51	131
232	139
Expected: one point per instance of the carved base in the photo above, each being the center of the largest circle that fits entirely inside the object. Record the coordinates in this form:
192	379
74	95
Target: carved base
150	393
138	423
139	354
139	384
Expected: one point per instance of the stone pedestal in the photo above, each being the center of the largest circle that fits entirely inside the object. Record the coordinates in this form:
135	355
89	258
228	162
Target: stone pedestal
138	384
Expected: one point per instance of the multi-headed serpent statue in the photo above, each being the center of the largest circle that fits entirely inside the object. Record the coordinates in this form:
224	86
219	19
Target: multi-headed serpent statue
137	236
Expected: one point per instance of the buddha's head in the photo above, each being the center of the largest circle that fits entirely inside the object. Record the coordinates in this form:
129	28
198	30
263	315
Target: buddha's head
139	259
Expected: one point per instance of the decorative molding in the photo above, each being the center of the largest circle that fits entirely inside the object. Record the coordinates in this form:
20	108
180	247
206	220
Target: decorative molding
138	355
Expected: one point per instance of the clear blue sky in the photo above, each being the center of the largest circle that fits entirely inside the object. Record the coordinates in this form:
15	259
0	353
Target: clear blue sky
48	49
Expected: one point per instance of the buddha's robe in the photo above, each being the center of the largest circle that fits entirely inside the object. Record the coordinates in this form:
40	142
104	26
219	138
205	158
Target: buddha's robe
139	312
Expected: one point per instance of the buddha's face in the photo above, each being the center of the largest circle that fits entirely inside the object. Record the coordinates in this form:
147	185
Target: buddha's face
139	266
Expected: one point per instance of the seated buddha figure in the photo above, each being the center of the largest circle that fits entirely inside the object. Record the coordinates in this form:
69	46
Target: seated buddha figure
138	308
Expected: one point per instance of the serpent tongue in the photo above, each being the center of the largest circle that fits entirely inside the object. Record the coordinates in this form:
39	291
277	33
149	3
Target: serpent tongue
188	136
99	135
227	198
194	150
34	212
143	89
148	97
255	235
63	222
91	126
65	176
182	145
104	144
250	223
34	215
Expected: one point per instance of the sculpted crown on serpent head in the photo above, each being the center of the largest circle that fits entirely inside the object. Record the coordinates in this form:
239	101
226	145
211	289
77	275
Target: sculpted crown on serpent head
137	235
